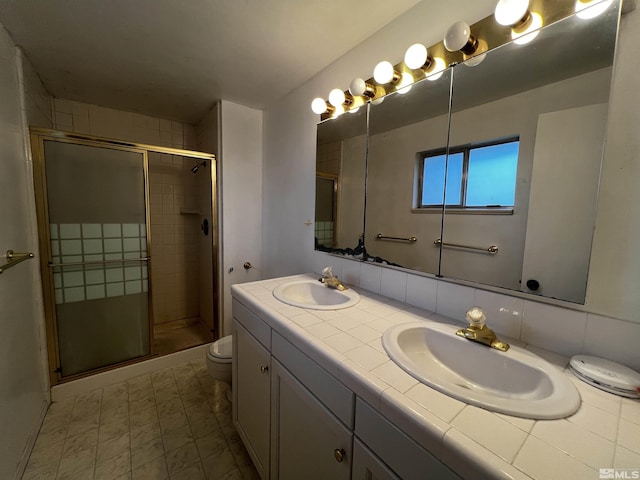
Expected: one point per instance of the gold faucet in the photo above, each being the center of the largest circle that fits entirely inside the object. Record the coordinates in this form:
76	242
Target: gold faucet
331	281
477	331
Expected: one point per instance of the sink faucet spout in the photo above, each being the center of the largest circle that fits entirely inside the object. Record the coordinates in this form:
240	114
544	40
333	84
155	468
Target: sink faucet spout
331	281
477	331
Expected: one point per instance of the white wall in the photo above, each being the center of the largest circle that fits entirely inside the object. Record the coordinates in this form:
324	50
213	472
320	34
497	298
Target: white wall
24	392
240	163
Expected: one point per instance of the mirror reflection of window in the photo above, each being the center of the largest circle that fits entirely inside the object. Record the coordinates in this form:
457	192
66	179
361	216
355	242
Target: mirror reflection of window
481	176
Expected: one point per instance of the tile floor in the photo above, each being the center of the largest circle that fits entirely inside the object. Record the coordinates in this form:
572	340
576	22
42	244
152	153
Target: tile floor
170	424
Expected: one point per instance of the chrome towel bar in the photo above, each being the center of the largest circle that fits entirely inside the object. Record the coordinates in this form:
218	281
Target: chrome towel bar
14	258
384	237
491	249
98	262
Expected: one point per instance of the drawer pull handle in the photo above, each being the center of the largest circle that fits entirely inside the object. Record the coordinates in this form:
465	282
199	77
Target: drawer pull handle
264	369
339	454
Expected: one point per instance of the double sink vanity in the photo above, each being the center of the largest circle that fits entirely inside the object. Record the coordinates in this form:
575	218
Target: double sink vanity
334	384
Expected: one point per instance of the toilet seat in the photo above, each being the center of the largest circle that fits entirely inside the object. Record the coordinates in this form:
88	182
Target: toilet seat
221	351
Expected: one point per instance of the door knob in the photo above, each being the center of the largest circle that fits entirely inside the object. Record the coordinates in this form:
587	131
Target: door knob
339	453
247	265
264	369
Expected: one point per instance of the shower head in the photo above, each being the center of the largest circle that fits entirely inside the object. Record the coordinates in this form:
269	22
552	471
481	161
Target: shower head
195	168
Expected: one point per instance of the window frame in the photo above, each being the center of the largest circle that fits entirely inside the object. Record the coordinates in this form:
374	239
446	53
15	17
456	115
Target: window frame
466	153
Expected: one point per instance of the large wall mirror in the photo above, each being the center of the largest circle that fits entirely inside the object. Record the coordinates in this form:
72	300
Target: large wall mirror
522	147
340	183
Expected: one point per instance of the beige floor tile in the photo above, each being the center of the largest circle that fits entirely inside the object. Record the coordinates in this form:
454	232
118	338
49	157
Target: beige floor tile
113	448
154	470
181	458
220	464
211	444
174	423
113	467
146	452
193	472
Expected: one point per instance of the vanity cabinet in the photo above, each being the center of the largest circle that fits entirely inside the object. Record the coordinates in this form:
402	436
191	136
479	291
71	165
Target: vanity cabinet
307	440
251	372
299	421
367	466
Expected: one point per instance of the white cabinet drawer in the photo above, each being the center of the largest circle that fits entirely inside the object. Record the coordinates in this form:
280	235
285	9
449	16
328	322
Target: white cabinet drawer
404	456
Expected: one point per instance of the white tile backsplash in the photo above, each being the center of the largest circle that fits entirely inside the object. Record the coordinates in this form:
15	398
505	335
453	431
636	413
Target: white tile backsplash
553	329
393	284
556	329
422	292
454	300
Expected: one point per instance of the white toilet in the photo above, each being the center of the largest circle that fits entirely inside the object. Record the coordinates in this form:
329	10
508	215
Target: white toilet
219	359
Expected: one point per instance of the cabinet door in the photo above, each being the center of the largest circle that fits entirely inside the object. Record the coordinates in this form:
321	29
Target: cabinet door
251	396
309	442
367	466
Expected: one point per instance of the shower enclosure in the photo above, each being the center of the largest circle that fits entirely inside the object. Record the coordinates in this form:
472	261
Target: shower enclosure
128	271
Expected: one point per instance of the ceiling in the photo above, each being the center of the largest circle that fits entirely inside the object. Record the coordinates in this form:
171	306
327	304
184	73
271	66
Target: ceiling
174	59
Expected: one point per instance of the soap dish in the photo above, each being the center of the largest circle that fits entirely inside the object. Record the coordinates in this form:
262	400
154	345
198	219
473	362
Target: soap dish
606	375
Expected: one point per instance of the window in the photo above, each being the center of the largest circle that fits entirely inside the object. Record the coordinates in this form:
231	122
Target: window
478	176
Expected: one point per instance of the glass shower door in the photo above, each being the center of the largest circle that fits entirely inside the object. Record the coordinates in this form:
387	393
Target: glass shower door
97	215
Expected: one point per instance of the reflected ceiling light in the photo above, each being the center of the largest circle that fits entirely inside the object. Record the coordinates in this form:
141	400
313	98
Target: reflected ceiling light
476	60
586	9
405	83
417	57
459	37
385	73
319	106
439	66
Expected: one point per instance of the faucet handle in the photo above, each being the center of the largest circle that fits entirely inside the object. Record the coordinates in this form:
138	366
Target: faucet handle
327	272
476	317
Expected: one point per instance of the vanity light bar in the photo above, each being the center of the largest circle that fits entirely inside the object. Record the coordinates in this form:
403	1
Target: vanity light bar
513	20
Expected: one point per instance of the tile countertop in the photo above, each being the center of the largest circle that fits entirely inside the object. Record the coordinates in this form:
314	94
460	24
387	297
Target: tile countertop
475	443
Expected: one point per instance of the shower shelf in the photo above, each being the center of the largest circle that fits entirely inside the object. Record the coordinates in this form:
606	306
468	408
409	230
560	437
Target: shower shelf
184	211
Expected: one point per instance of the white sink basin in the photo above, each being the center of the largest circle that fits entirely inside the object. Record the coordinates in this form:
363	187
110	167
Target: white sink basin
515	382
315	295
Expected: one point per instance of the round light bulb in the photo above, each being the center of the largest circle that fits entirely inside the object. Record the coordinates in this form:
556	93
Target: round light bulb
357	87
405	83
510	12
457	36
591	9
415	56
439	66
319	106
354	110
530	33
336	97
383	73
377	101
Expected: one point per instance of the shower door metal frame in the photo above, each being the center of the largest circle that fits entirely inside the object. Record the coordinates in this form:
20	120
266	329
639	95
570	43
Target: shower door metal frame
37	138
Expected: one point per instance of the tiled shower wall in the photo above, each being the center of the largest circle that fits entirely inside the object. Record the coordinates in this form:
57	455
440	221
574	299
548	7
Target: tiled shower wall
174	266
175	230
